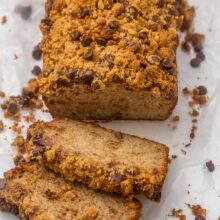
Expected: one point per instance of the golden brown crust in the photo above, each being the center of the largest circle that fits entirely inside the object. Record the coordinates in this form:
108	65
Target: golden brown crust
151	31
37	194
100	158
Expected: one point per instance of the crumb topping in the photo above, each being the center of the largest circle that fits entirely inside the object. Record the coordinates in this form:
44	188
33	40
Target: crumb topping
99	42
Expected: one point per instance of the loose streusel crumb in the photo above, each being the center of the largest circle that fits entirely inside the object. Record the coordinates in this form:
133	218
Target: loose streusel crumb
2	94
178	214
30	117
176	118
197	210
1	125
19	142
4	20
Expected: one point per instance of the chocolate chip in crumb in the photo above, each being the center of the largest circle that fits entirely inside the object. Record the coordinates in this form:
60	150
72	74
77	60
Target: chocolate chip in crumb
2	183
154	18
86	40
75	36
166	63
89	55
87	76
135	46
195	62
160	3
143	35
71	72
200	55
83	12
199	217
110	59
24	11
47	22
12	108
134	12
36	71
210	166
158	197
101	41
117	79
113	24
202	90
107	33
37	53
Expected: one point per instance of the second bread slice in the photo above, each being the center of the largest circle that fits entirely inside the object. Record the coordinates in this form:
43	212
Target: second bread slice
100	158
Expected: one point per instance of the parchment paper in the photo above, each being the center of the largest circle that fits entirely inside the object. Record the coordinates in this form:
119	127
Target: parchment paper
19	37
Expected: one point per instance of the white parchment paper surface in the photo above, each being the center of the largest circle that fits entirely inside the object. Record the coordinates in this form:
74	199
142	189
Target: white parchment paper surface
19	37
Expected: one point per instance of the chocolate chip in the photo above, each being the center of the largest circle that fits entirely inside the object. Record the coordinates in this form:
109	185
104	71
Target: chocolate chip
87	76
198	47
113	24
37	53
143	35
86	40
39	141
135	46
160	3
210	166
71	72
143	65
107	33
47	22
166	26
36	71
117	79
110	59
116	178
154	18
200	55
24	11
83	12
155	58
75	36
202	90
195	62
134	12
166	63
2	183
199	217
172	71
12	108
101	41
89	55
158	197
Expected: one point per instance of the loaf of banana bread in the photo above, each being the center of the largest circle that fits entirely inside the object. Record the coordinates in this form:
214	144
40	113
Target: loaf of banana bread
99	158
32	192
108	59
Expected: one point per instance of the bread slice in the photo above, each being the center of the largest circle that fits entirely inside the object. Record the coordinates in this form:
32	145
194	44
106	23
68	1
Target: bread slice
35	193
100	158
110	59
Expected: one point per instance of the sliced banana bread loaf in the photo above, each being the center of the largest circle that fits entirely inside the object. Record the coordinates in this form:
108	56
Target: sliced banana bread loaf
35	193
100	158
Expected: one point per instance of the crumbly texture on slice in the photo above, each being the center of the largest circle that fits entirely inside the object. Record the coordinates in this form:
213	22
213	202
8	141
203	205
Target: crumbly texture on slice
35	193
109	59
102	159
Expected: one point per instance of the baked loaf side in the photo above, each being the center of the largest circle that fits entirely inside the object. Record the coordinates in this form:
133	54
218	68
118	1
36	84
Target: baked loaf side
100	158
109	59
35	193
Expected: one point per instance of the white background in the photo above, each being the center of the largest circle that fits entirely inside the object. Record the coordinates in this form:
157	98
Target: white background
19	36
